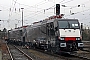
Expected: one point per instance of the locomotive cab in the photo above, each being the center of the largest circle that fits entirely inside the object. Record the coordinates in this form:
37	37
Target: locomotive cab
69	35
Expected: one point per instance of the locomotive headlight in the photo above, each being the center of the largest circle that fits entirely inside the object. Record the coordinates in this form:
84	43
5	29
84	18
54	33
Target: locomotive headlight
40	42
77	38
62	44
61	38
80	44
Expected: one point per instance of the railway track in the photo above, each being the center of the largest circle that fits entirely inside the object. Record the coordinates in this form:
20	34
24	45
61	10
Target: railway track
57	56
84	55
75	56
80	55
17	54
38	55
41	55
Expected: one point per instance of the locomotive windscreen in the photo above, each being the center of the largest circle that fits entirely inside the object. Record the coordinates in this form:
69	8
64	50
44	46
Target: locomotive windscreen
68	24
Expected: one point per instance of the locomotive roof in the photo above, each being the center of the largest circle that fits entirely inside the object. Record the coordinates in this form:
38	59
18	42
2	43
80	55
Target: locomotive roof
44	22
68	19
52	20
61	19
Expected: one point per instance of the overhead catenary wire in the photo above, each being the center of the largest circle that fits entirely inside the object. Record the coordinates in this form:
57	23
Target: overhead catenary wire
52	7
13	7
37	13
46	9
77	12
42	10
33	5
28	5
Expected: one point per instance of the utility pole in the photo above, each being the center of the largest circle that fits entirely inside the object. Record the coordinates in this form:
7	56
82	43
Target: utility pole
23	37
22	16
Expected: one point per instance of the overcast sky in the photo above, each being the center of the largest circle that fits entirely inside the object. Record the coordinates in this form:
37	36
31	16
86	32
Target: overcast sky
11	15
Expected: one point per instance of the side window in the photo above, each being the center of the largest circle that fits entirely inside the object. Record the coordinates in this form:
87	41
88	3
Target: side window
21	32
47	29
50	29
